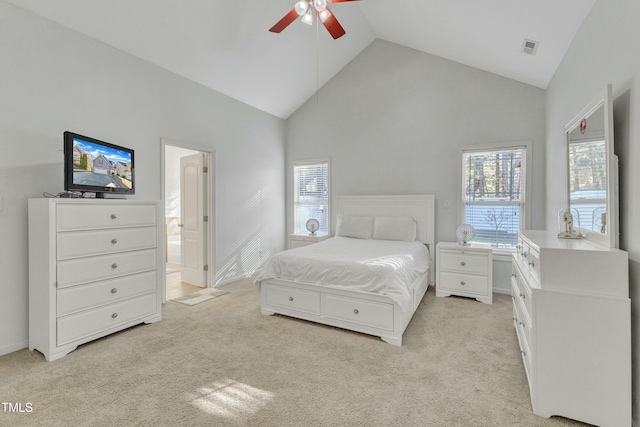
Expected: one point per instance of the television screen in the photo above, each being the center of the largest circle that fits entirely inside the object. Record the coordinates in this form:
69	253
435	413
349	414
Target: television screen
96	166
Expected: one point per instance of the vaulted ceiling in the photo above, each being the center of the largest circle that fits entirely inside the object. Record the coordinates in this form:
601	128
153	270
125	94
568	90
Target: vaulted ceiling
226	46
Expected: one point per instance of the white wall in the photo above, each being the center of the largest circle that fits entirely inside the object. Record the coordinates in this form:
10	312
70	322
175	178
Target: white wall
53	79
392	122
605	50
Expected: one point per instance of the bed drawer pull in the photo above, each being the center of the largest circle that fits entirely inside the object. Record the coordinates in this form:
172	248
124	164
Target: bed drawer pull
114	266
463	263
462	283
114	241
114	216
355	311
114	290
114	315
290	298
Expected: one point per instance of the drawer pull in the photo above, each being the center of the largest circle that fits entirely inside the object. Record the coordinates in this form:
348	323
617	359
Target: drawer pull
532	264
290	298
522	295
114	216
355	311
114	315
114	290
114	241
463	263
114	266
522	324
523	353
462	283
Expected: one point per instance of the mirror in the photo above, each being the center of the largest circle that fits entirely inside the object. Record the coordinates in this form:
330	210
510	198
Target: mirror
592	184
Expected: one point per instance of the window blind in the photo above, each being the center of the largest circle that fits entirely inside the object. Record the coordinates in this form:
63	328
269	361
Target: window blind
311	195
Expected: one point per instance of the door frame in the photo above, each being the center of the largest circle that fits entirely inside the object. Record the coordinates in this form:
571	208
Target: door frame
211	202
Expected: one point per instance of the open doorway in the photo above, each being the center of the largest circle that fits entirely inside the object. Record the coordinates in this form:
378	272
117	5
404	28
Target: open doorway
188	200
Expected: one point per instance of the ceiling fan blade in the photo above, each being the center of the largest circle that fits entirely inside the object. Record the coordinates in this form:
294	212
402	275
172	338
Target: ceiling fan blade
331	23
285	21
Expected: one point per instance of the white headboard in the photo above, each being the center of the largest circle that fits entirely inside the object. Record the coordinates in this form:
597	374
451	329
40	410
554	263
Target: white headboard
420	207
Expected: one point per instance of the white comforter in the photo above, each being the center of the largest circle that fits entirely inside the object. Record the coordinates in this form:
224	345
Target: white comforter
380	266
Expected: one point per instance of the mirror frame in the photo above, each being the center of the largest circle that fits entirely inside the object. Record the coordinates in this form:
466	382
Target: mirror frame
604	99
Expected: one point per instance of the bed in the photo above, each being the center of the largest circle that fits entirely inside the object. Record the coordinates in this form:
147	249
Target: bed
317	283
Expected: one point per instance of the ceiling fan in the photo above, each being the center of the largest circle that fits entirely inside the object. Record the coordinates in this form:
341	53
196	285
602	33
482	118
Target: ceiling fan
306	9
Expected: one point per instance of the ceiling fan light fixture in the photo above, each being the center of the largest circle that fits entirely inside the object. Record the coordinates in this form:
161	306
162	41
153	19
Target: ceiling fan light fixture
320	5
307	18
302	7
324	15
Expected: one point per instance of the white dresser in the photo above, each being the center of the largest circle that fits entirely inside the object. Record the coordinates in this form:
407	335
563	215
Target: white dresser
572	314
465	270
94	269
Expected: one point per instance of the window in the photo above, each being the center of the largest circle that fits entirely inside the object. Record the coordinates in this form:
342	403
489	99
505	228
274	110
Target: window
311	195
493	193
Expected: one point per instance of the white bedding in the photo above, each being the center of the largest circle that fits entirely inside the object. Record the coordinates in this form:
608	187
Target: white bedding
380	266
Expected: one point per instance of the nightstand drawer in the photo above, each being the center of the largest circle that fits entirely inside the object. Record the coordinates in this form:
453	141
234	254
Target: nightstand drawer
464	282
464	262
300	240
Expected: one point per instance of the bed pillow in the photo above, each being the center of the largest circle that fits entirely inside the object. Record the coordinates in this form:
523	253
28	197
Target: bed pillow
360	227
401	228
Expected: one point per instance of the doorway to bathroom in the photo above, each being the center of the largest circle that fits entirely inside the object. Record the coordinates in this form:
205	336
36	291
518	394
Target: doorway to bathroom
188	183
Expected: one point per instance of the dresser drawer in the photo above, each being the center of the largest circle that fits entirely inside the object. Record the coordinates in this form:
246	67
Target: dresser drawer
82	297
464	282
94	216
521	289
82	270
523	322
464	262
293	298
77	326
367	313
533	264
97	242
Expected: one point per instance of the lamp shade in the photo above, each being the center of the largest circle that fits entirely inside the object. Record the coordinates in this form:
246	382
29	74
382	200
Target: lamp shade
302	7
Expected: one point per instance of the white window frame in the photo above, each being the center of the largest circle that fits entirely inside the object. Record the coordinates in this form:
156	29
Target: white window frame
525	205
296	222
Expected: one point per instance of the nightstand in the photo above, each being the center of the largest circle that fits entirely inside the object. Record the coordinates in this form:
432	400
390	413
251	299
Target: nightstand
305	239
465	271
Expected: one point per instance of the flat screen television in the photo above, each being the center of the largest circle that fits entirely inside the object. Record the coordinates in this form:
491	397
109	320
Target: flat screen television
94	166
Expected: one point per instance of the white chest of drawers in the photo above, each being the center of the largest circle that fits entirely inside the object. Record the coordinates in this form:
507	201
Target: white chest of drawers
572	316
464	271
94	269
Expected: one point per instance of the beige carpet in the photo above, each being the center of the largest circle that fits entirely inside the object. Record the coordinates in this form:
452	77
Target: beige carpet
224	364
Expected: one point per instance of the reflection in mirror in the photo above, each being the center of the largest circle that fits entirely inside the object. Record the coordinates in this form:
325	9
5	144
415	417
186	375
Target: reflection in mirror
591	177
587	173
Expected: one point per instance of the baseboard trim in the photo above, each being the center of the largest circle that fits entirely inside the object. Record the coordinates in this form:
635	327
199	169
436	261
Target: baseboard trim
14	347
502	291
231	279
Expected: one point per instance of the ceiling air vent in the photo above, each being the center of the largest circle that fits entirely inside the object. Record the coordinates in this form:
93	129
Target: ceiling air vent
529	47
